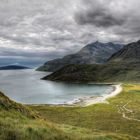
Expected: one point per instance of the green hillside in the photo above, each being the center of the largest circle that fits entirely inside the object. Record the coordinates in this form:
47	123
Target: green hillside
111	72
18	122
97	122
118	120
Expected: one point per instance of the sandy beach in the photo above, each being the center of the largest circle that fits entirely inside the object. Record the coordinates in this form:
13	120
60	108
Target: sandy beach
101	99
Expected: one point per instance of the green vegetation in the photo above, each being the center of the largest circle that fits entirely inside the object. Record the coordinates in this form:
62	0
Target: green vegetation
110	72
118	120
18	122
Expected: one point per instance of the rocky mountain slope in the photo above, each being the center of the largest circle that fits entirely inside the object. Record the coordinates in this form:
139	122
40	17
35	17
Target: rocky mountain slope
123	66
91	54
130	53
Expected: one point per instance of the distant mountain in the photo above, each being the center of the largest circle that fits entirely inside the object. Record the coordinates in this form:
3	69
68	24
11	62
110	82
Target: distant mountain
130	53
93	53
123	66
13	67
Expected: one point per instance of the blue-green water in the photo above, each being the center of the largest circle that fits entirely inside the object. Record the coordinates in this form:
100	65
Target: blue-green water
25	86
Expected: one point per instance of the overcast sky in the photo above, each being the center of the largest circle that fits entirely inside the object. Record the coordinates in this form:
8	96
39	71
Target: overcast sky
34	31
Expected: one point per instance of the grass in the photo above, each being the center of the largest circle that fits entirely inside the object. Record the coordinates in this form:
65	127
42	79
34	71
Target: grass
96	122
102	118
109	72
18	122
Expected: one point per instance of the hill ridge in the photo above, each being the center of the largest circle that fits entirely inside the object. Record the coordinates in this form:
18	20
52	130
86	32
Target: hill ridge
121	67
92	53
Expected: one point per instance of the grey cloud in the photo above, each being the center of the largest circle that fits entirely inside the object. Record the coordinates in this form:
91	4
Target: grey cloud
99	13
99	17
119	19
40	30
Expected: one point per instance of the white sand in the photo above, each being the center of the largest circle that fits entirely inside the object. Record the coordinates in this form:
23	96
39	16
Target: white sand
102	99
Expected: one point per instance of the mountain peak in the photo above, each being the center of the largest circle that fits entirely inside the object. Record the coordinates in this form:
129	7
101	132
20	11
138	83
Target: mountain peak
92	53
97	42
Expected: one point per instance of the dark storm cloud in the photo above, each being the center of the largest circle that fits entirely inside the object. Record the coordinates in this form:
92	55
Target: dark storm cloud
119	19
35	31
99	15
99	18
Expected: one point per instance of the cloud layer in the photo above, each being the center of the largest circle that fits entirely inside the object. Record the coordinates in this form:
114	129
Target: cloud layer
32	31
119	19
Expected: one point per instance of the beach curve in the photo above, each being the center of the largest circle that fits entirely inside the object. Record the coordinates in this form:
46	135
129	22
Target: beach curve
103	99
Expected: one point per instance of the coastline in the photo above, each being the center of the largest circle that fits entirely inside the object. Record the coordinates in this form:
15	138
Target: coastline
87	101
103	99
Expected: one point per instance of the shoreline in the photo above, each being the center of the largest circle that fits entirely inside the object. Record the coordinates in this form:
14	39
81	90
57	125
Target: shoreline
87	101
103	99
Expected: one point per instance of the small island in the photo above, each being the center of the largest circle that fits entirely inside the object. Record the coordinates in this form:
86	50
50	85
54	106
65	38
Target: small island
13	67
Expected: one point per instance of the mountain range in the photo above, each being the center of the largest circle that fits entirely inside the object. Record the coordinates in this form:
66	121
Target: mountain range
122	66
94	53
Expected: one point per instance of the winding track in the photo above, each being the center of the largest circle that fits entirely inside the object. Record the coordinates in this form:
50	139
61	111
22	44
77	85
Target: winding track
122	110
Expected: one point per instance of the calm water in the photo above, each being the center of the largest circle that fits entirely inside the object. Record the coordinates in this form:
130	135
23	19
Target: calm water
25	86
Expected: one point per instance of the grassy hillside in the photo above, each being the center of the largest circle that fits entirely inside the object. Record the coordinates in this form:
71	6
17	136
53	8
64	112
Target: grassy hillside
112	121
111	72
18	122
118	120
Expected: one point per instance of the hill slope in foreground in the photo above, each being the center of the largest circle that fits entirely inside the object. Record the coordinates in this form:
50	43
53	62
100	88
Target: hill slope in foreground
123	66
18	122
118	120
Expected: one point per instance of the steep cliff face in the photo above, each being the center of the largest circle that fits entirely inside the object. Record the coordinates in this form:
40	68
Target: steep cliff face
94	53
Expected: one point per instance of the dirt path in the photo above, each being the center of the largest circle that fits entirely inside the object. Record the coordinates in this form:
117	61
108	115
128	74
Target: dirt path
123	110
